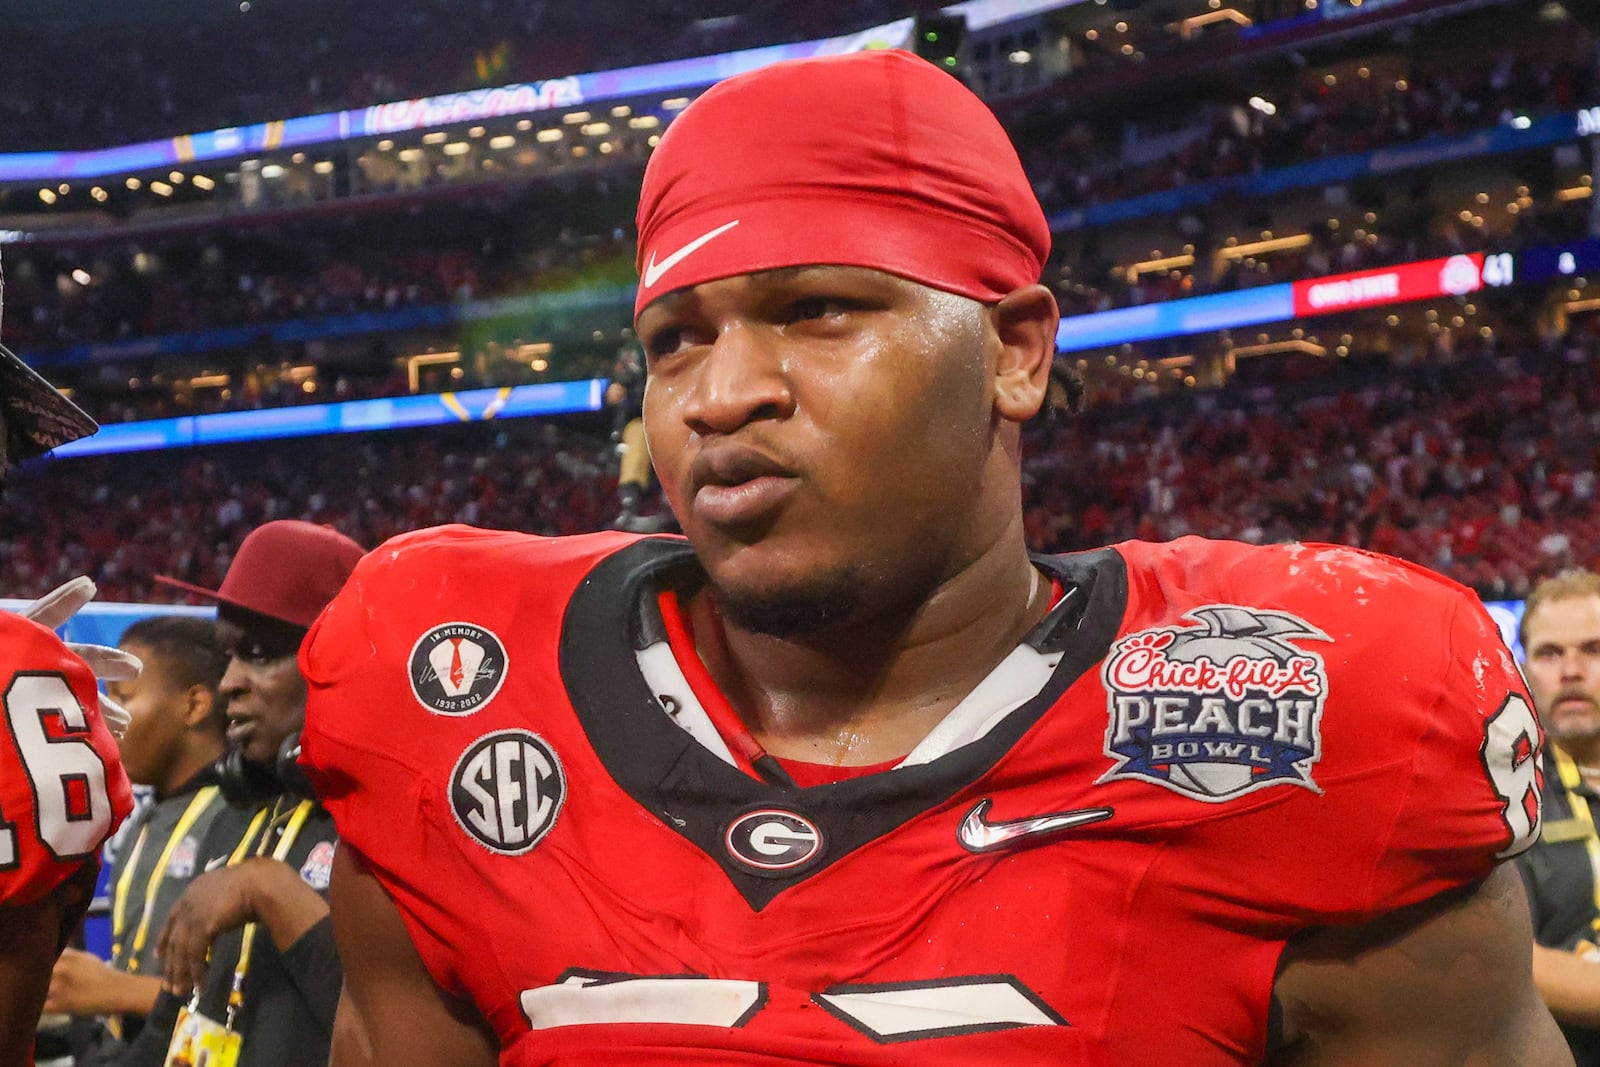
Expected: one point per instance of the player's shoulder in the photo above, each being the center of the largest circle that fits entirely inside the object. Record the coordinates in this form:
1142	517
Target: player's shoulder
427	589
1327	568
1383	632
1383	689
1336	584
443	550
27	646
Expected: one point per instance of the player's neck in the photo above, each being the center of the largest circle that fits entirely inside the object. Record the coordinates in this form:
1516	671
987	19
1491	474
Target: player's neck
1585	752
869	693
190	760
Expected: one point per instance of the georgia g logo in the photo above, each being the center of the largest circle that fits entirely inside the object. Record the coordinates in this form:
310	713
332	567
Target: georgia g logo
1219	708
773	842
456	668
507	789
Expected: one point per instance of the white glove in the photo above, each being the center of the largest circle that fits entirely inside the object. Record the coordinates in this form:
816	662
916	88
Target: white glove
109	664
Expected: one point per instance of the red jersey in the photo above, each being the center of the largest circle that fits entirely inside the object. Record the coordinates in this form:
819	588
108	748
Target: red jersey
62	787
1231	745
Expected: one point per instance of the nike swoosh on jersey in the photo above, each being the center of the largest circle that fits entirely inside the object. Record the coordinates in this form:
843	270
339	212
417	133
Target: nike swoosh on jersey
653	270
977	834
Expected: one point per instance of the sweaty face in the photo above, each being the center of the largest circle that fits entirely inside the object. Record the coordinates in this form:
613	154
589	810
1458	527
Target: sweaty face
1563	666
156	706
265	694
821	434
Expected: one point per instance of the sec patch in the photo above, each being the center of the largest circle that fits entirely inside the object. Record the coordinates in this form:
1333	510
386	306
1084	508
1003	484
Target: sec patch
456	668
507	789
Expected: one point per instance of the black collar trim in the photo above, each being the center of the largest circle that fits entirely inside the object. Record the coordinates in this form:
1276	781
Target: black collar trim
699	796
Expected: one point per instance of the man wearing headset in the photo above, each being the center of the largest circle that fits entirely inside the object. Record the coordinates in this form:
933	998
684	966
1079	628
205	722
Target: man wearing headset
268	993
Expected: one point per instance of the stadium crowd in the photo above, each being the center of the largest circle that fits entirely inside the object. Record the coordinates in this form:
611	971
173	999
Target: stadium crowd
1482	467
280	58
483	245
504	240
545	239
1078	163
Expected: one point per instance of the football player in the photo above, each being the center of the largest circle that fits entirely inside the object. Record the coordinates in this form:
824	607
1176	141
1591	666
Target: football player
849	777
63	791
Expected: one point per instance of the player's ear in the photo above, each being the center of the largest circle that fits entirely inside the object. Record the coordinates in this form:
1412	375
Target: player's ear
1025	325
199	703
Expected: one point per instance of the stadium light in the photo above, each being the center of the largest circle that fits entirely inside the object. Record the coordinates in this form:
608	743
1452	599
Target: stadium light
1266	107
1257	248
1149	266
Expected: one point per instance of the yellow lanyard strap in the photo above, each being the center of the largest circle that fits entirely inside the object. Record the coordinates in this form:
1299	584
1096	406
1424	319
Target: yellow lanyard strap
1571	780
198	804
119	902
291	830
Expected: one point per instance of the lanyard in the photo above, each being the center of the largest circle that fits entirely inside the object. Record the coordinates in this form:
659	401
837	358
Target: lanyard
296	819
1571	780
198	804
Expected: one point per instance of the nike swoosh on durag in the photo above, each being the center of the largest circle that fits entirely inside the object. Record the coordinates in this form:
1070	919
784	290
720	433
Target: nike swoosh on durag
653	270
978	835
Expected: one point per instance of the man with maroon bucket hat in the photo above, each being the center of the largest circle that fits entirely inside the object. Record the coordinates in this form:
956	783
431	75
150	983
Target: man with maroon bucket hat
250	965
849	777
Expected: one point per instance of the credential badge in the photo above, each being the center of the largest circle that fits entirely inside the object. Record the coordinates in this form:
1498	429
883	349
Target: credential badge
457	668
1219	708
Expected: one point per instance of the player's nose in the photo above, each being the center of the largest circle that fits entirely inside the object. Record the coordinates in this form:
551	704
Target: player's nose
742	378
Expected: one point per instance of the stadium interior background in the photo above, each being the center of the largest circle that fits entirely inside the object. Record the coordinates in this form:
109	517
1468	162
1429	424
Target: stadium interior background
1331	268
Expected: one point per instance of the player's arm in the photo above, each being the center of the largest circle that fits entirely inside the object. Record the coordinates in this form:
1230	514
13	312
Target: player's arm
263	890
1569	985
84	984
30	934
1445	982
392	1012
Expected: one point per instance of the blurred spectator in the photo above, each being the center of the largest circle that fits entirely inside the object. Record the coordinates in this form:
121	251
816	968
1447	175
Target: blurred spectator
625	397
1561	649
174	737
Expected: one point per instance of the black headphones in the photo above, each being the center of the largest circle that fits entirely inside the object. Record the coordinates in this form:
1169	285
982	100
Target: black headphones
245	783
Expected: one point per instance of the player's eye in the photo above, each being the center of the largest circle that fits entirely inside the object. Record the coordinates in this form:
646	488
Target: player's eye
814	308
663	342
